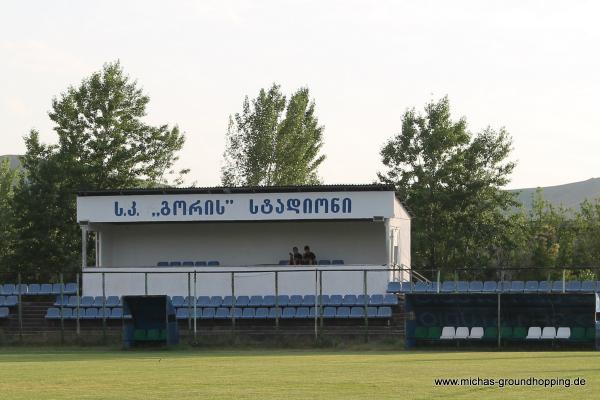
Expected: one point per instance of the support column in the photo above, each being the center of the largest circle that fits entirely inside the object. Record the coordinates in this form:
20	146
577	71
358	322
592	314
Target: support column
84	231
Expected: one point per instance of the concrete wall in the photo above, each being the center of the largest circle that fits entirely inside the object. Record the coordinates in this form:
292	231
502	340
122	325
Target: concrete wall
236	244
253	281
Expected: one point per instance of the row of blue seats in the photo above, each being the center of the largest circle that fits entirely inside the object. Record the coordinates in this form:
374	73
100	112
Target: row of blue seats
321	262
284	313
37	289
87	313
187	263
494	287
8	301
308	300
87	301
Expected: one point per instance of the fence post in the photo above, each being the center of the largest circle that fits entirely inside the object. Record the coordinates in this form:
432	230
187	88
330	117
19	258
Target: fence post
563	280
232	301
499	323
20	307
189	306
366	303
78	326
321	298
439	283
195	309
277	300
145	283
316	304
62	320
104	308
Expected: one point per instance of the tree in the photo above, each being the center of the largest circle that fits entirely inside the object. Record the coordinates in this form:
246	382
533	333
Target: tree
451	181
103	143
7	181
267	147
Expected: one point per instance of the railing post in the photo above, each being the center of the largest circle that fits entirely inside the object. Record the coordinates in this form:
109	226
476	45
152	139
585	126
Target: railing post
439	283
366	304
564	274
321	298
232	301
145	283
189	295
316	304
195	309
62	320
78	326
104	308
499	323
20	307
277	300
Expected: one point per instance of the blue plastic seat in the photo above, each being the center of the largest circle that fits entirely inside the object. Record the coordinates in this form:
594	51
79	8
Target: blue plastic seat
335	300
208	313
102	313
489	286
544	287
284	262
11	301
337	262
200	263
228	301
476	287
177	301
56	288
504	286
433	287
67	313
90	313
189	301
98	301
323	299
1	301
309	300
462	287
53	313
406	287
384	312
117	313
557	286
203	301
61	300
372	312
162	264
73	301
242	301
113	301
295	300
45	289
213	263
288	313
421	287
376	300
261	313
393	287
236	312
181	313
531	286
448	287
216	301
175	264
343	312
8	289
311	312
324	262
302	312
187	263
588	286
80	313
573	286
362	299
274	312
517	287
329	312
70	288
349	300
33	289
248	313
222	313
268	301
283	300
390	300
357	312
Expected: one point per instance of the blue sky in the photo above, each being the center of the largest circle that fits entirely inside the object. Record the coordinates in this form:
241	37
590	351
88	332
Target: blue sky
530	66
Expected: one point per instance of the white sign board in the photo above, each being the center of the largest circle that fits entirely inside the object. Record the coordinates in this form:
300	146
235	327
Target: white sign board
235	207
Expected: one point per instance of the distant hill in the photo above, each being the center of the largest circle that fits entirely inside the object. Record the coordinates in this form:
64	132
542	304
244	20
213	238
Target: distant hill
570	195
13	159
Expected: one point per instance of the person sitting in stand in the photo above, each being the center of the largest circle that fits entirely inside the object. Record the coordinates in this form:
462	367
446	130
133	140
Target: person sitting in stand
309	258
295	257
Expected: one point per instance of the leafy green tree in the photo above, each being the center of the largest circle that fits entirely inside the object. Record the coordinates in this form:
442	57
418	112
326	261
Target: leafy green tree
451	181
103	143
273	141
8	178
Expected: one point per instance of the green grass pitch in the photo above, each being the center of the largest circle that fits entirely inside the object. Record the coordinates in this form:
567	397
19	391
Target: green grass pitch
285	374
